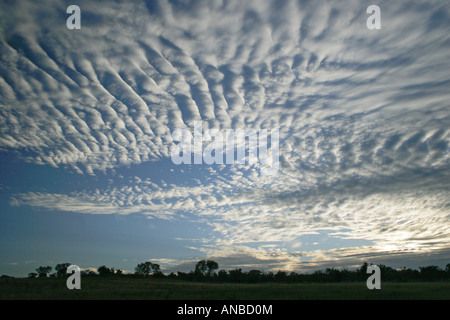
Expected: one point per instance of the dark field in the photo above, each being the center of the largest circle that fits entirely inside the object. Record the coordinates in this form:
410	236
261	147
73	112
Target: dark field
162	289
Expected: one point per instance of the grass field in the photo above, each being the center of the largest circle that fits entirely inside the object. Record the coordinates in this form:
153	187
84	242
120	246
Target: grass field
130	288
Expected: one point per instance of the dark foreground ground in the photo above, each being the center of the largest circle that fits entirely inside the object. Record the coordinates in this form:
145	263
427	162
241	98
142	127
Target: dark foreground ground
131	288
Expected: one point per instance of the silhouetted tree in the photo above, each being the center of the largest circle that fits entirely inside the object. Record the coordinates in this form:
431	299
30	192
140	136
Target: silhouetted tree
201	268
363	269
182	275
387	273
43	271
333	275
222	276
212	266
317	276
254	276
105	271
280	276
205	268
147	268
296	277
431	273
236	275
406	274
269	276
61	269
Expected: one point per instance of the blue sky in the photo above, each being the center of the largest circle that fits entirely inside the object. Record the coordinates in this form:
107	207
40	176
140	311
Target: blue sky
86	118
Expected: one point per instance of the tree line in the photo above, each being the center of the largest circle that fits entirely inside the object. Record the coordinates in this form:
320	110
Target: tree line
206	271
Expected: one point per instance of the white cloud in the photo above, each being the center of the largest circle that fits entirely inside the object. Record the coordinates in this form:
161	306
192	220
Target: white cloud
363	115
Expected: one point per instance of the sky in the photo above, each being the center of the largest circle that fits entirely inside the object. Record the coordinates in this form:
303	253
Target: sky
87	117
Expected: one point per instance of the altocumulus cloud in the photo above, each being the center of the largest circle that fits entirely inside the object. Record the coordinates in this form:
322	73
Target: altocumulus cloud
363	117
